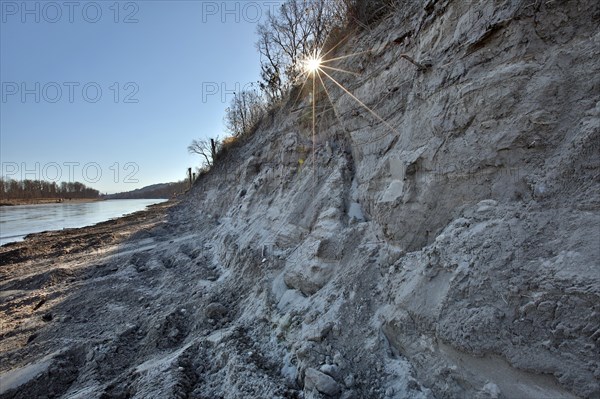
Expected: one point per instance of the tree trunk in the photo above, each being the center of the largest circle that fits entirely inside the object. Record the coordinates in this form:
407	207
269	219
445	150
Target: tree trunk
213	150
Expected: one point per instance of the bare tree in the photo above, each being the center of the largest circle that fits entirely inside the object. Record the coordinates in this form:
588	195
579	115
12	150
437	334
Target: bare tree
245	111
283	39
271	64
206	148
298	31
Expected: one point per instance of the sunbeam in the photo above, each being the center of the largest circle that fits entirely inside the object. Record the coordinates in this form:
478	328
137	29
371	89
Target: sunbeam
343	57
340	70
312	67
360	102
314	128
332	104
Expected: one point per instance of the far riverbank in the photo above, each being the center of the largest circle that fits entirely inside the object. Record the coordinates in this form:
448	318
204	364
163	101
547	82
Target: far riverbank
38	201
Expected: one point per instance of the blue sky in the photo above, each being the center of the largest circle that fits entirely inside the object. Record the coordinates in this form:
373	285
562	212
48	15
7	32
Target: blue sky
166	71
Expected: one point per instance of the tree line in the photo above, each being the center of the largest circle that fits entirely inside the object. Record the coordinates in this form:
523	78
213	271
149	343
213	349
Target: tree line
36	189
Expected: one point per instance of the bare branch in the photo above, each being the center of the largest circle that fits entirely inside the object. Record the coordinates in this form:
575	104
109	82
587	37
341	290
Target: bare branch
204	149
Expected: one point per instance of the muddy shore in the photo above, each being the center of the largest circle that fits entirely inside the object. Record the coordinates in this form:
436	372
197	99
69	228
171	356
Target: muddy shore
39	274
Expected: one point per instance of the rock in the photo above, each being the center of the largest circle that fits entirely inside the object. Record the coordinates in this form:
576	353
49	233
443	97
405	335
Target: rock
338	360
290	373
489	391
31	338
349	381
540	191
314	379
319	333
215	311
308	277
349	395
488	203
305	351
331	370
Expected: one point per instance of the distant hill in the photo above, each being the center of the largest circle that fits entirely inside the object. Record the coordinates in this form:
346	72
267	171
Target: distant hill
154	191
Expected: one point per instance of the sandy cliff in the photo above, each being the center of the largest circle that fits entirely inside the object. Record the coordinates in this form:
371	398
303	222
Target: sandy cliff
449	249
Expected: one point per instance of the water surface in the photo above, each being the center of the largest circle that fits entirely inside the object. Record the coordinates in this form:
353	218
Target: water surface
18	221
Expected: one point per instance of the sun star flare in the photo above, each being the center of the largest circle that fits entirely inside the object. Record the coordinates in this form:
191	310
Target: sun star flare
312	64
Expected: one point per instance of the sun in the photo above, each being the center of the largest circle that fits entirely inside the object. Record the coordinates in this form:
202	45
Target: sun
312	64
314	68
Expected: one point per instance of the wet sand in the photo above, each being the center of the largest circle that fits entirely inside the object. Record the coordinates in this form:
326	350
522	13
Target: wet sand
47	266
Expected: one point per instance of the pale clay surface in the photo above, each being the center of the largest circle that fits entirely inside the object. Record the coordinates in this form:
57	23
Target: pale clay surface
456	257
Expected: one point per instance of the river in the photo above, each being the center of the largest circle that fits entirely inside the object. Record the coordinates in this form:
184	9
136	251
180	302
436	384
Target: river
18	221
